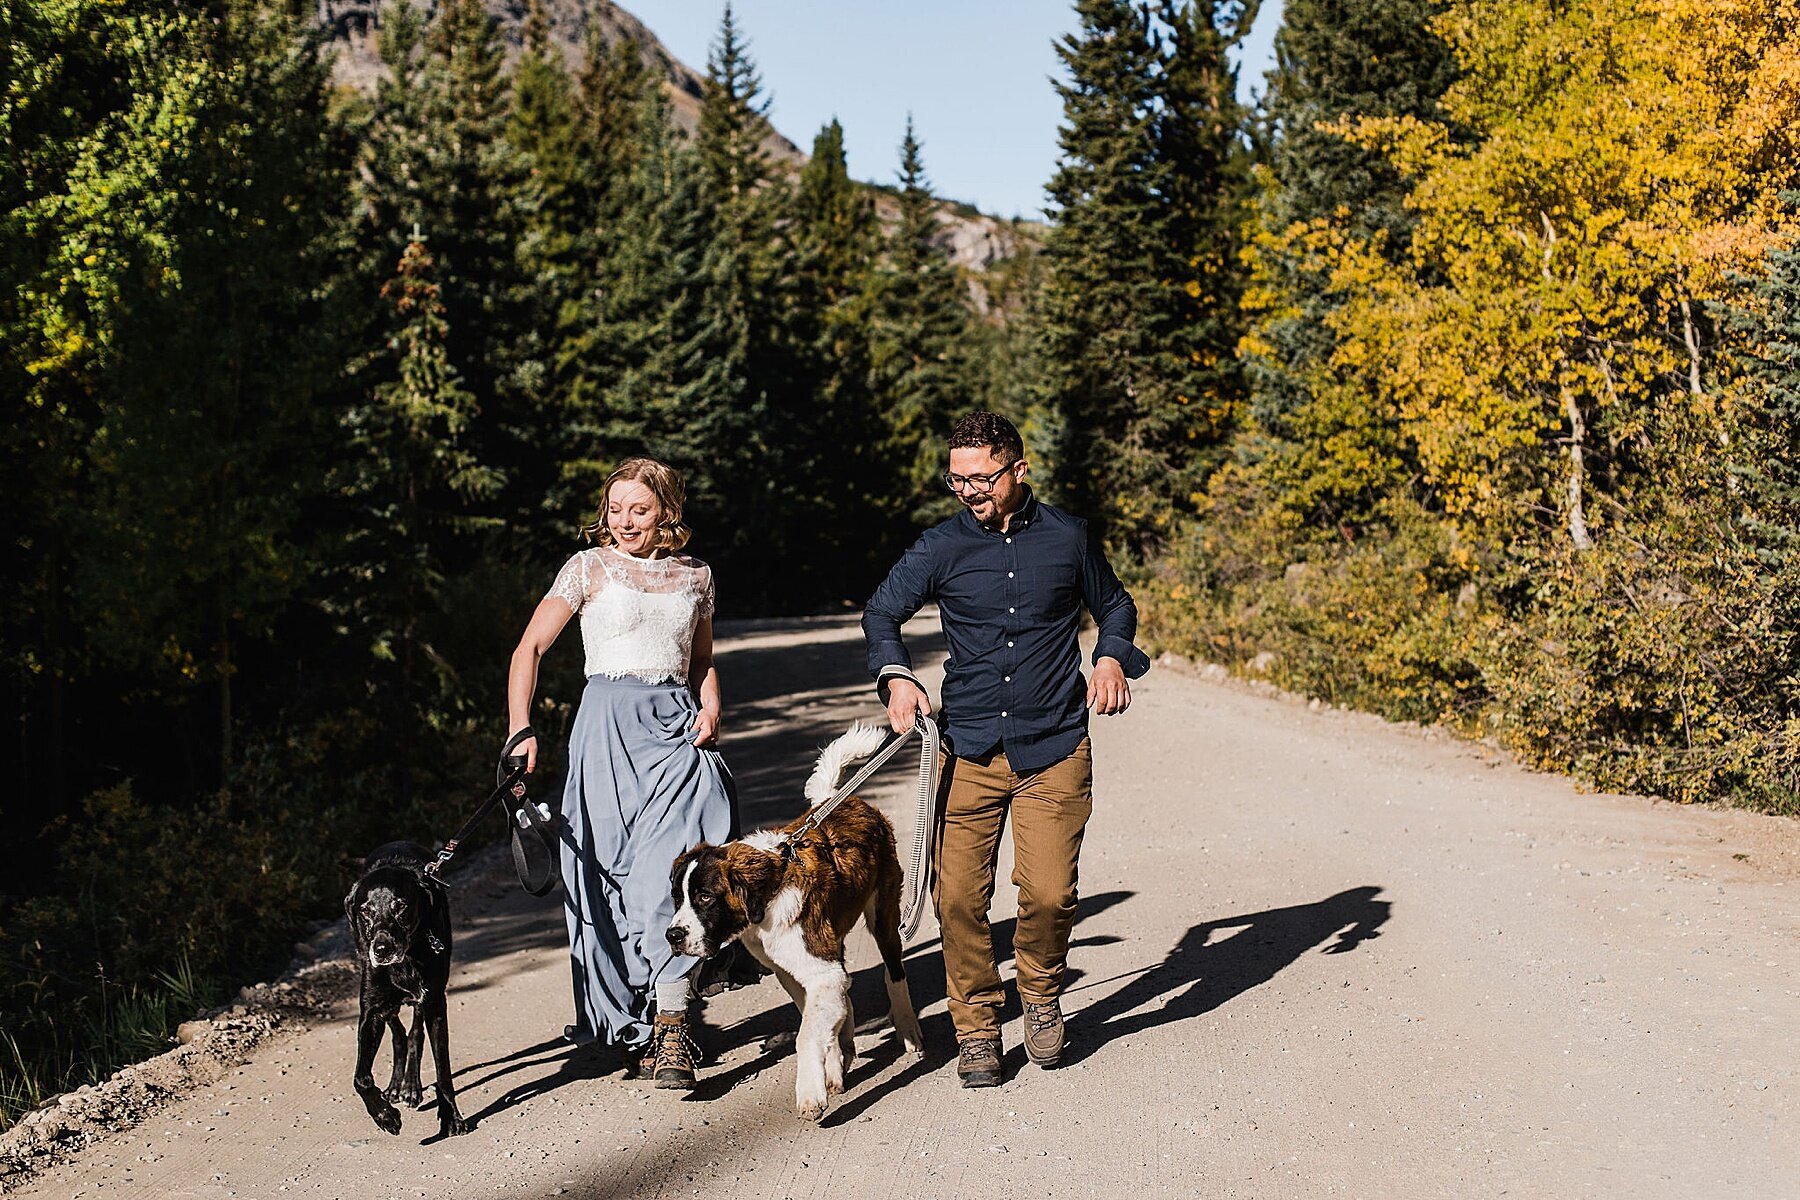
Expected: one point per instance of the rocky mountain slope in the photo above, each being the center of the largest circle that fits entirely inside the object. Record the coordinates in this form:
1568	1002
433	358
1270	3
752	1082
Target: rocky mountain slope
975	242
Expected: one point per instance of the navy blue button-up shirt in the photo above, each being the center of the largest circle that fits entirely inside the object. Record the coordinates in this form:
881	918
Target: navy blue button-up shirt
1011	605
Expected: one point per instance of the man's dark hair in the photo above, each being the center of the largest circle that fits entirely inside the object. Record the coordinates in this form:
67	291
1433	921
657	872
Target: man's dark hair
986	429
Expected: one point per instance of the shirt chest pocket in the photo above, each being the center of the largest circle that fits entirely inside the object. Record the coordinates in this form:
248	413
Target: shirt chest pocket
1053	589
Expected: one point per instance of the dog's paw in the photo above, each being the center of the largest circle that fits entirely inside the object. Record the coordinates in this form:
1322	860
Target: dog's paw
408	1095
811	1105
454	1125
388	1117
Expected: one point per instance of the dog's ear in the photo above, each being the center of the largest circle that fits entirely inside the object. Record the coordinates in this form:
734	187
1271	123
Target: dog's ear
752	877
753	908
350	904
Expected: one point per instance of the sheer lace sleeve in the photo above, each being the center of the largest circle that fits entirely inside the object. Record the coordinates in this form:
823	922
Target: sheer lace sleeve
706	594
571	586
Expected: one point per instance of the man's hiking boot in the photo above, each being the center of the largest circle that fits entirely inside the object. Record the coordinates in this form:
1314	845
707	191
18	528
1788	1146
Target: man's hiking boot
978	1061
1044	1032
673	1051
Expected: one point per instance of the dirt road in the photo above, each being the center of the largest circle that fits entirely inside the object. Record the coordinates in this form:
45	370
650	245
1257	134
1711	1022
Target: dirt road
1318	956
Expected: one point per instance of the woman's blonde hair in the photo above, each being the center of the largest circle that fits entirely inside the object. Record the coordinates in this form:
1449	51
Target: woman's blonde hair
664	482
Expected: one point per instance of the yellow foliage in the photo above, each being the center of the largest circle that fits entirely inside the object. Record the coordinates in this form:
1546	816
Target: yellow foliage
1602	166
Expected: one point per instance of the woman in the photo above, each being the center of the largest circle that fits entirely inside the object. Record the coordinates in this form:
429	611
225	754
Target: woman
644	783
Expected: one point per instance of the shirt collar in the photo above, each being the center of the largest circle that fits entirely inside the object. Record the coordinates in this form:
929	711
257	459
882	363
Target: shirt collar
1027	513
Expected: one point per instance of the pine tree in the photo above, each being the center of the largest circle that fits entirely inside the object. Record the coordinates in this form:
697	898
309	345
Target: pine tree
415	481
555	204
733	121
1128	434
921	325
645	354
745	299
834	433
612	88
438	157
1338	58
1335	59
1765	315
1207	191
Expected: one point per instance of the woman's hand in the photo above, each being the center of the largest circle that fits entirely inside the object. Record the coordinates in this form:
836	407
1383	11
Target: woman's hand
528	748
706	728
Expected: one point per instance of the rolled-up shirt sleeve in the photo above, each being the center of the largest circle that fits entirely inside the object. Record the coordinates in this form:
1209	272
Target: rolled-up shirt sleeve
903	593
1115	613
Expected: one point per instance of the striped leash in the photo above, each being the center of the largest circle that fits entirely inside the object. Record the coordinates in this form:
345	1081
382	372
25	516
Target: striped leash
925	812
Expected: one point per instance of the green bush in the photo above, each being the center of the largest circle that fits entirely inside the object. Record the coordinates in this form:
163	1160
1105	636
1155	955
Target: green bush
1664	664
1390	622
160	910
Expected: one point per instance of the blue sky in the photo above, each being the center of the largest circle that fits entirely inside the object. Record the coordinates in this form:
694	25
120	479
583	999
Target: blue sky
975	75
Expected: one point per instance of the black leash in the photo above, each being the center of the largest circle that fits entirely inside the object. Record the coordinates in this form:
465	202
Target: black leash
512	780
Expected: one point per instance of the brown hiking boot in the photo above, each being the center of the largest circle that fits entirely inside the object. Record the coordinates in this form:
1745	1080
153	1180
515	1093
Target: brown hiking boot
1044	1032
978	1061
673	1051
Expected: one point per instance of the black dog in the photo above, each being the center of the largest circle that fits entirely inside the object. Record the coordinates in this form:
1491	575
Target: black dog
400	918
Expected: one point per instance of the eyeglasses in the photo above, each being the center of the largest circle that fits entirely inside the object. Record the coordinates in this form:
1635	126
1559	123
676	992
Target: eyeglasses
979	483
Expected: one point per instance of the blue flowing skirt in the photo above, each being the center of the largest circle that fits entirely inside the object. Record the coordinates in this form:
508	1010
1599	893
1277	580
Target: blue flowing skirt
639	793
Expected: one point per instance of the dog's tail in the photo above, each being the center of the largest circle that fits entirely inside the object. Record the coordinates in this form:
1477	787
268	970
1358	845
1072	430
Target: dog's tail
858	743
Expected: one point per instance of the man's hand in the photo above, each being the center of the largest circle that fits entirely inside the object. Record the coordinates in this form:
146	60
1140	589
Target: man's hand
905	701
1108	693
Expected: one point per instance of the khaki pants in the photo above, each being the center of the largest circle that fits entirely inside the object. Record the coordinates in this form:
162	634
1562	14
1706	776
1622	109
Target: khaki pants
1050	810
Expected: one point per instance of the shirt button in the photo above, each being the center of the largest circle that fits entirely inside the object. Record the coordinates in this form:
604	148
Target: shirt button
1009	643
1003	714
1009	574
1009	678
1009	541
1012	610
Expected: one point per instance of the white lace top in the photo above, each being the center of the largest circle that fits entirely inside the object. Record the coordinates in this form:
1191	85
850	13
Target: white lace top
637	614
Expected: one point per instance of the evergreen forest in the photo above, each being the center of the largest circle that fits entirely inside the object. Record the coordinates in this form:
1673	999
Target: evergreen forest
1454	381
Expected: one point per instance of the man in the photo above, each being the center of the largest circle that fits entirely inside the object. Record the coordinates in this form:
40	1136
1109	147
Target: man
1009	574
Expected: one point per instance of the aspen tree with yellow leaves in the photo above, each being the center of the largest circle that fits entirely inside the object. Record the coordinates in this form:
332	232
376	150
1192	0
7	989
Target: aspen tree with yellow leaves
1545	422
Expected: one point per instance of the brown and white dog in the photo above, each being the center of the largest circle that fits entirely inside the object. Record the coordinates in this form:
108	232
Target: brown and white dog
792	906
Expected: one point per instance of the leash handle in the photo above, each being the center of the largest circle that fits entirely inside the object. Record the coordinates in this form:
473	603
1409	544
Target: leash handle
509	760
924	826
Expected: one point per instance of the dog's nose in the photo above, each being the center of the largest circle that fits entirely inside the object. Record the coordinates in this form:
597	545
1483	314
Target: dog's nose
677	935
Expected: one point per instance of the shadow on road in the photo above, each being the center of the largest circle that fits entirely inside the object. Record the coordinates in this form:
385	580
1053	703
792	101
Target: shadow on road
1199	974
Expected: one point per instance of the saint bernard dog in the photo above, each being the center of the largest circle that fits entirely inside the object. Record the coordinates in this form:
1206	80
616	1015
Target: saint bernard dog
791	905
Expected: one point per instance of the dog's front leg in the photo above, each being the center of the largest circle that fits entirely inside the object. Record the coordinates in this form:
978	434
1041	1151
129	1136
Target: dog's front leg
403	1086
820	1067
369	1027
433	1012
414	1091
841	1052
